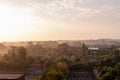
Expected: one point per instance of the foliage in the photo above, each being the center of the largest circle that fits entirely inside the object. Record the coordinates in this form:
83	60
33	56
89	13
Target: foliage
109	68
14	60
55	72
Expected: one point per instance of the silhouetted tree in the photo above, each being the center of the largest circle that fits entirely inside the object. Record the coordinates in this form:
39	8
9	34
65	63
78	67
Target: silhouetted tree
84	49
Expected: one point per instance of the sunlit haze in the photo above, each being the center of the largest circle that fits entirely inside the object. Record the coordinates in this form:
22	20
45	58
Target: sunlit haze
30	20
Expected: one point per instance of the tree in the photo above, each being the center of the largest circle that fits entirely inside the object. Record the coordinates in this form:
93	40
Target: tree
15	59
55	72
62	67
84	49
22	53
106	76
64	49
117	67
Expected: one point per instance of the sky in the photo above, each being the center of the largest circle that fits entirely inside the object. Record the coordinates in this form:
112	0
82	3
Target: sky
34	20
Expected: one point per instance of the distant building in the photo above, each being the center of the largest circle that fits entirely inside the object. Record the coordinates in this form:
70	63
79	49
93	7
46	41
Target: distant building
118	50
11	76
93	50
34	71
80	72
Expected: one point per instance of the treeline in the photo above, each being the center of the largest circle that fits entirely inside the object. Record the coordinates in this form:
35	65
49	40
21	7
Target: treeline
55	60
21	57
109	67
17	59
37	50
14	60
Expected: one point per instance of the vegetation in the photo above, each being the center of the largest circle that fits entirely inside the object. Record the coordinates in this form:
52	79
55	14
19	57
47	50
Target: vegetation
57	59
55	72
14	61
109	67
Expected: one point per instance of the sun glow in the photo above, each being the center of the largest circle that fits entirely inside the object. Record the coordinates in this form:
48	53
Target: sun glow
13	22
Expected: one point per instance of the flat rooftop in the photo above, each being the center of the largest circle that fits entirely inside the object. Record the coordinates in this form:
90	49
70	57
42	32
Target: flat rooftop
93	48
10	76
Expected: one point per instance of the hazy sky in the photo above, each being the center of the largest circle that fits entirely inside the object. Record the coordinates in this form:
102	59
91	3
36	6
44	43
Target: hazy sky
59	19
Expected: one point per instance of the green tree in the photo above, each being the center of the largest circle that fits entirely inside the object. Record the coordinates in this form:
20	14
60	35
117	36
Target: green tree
55	72
117	67
62	67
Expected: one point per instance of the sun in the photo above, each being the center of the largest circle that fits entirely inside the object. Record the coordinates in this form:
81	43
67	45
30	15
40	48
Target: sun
13	21
11	18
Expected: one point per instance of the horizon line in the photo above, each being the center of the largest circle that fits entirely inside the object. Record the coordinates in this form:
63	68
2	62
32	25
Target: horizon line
60	40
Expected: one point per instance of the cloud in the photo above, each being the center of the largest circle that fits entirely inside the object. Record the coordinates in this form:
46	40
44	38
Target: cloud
67	10
81	17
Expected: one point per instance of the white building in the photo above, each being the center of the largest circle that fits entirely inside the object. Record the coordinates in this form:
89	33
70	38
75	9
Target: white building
93	50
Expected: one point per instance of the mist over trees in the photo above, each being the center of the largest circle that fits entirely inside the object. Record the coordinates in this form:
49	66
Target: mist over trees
58	57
